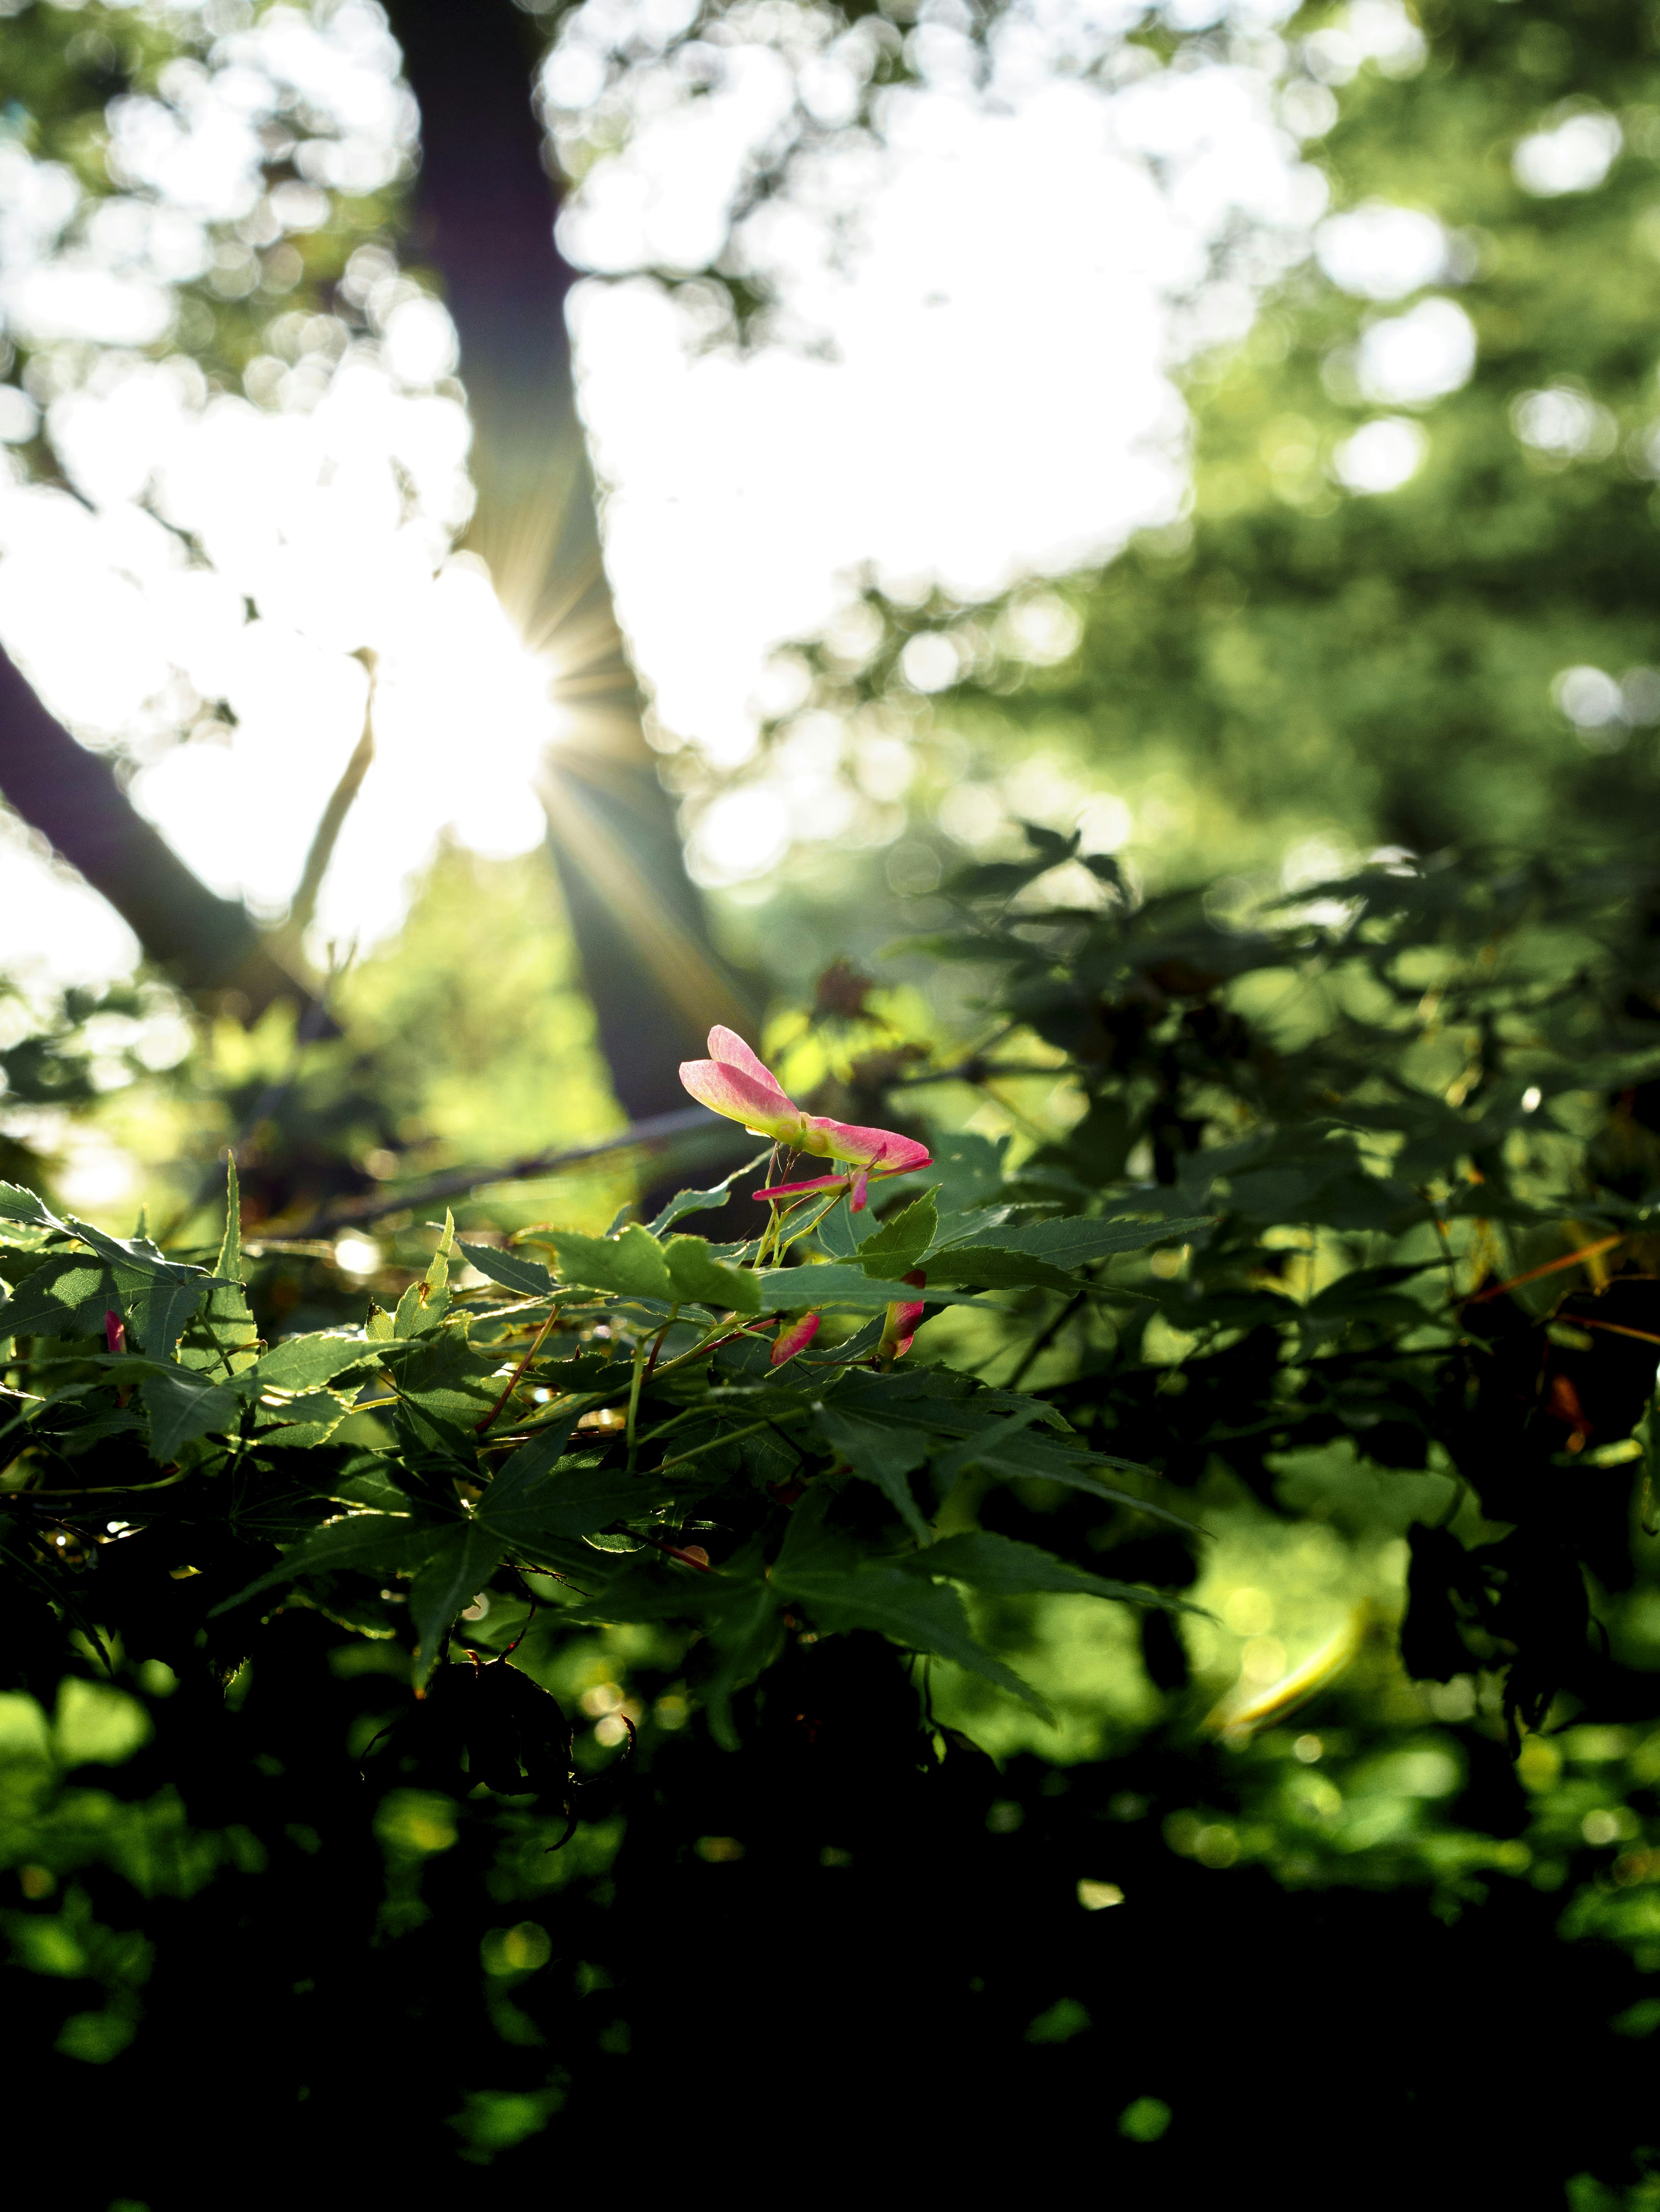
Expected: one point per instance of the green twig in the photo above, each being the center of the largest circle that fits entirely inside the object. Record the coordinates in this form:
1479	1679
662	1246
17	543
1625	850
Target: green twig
736	1436
634	1382
1041	1342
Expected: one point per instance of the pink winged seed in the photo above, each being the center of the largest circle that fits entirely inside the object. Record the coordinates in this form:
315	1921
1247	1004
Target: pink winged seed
794	1338
734	1082
884	1150
729	1048
760	1107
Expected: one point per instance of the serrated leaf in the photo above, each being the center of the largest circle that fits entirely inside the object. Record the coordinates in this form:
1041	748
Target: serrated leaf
228	1266
415	1313
921	1615
565	1497
449	1386
898	1245
883	1453
365	1481
17	1204
438	1273
306	1362
298	1423
1076	1240
700	1279
158	1310
689	1201
835	1285
820	1566
743	1632
1003	1568
136	1256
385	1543
996	1445
842	1232
1007	1449
222	1337
463	1561
183	1405
510	1269
994	1267
631	1265
381	1327
64	1296
155	1296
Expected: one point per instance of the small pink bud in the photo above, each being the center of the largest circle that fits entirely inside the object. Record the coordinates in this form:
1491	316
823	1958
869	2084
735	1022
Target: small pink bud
115	1331
795	1338
902	1322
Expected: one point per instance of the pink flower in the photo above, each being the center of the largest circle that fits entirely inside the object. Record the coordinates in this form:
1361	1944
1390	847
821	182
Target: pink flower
735	1083
795	1338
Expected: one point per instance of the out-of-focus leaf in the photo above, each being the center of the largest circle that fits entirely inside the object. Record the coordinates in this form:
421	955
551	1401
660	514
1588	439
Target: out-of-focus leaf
843	1233
965	1172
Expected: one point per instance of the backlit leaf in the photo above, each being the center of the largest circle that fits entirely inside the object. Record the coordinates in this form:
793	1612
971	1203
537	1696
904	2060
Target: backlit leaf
510	1269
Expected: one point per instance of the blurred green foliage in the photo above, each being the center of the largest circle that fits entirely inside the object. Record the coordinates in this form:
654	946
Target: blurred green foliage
1296	660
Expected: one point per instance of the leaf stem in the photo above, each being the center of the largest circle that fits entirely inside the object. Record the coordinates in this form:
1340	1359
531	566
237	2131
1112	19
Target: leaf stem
662	1338
514	1379
100	1489
1043	1339
634	1382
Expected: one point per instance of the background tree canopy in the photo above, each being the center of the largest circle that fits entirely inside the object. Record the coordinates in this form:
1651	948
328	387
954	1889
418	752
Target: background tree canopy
1195	1706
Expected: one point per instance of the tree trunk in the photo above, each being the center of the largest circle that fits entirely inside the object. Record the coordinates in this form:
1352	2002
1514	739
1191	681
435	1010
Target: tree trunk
484	216
209	945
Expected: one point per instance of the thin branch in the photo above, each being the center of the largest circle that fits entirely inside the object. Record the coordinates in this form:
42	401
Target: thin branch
658	1130
303	905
